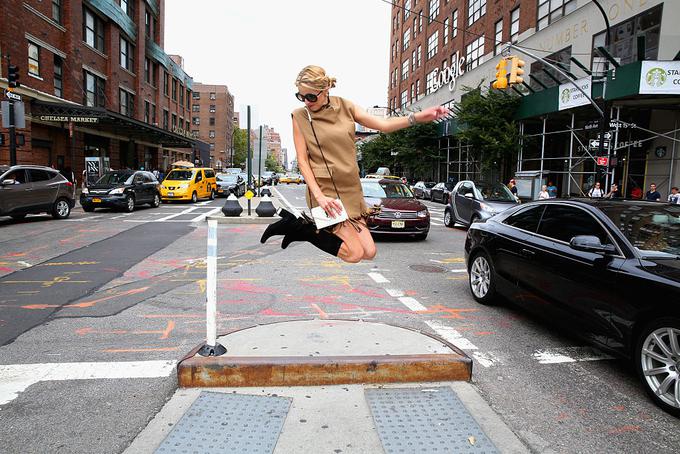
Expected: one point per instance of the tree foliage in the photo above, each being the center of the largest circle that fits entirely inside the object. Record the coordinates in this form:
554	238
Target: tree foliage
487	125
240	147
272	164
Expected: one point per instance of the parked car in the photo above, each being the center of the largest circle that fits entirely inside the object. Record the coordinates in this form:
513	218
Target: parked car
29	189
400	213
472	201
269	178
440	192
606	270
233	170
291	178
123	190
230	184
189	184
421	190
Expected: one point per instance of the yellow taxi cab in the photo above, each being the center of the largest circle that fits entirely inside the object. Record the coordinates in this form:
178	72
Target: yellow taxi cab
189	184
291	178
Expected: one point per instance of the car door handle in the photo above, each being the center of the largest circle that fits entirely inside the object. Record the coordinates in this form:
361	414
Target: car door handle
527	253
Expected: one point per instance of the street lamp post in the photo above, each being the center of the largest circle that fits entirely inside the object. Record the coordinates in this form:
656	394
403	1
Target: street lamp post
600	171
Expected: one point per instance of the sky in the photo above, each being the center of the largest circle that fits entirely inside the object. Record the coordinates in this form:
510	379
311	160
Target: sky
257	47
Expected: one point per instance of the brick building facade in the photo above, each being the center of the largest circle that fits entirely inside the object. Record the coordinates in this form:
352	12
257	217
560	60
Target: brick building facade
212	121
96	84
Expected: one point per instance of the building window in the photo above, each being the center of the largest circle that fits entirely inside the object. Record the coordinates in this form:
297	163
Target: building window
474	53
126	54
58	76
174	89
413	93
174	122
56	11
154	74
539	75
129	7
432	44
153	115
434	10
429	82
212	108
196	121
454	28
404	70
407	39
181	95
188	98
476	9
404	99
211	134
418	88
166	118
94	90
212	121
33	59
514	25
93	30
407	9
420	55
166	84
415	26
147	112
420	21
550	11
446	31
147	70
212	95
149	21
126	102
196	108
414	61
196	95
181	123
498	44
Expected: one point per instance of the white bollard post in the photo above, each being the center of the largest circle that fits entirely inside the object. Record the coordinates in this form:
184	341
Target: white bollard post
211	347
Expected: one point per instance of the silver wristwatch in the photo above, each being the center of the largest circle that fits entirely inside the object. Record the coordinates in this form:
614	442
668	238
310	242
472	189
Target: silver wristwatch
411	119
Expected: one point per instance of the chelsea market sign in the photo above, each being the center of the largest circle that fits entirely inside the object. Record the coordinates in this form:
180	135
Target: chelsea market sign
449	74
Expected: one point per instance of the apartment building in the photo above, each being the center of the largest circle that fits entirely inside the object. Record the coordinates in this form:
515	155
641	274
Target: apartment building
212	121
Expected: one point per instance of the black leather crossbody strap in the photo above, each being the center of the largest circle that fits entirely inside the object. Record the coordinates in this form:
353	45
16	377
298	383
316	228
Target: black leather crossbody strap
309	116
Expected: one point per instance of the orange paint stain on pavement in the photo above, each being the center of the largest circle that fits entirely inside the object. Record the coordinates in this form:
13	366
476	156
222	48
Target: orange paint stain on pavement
452	312
168	329
322	314
619	408
624	429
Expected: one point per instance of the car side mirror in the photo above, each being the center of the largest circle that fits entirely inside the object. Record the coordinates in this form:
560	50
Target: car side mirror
469	195
591	243
8	182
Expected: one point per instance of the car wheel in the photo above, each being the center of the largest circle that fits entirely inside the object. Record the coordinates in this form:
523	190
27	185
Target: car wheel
431	198
18	217
88	208
156	201
212	194
130	203
482	279
448	218
194	197
474	219
61	209
422	236
657	358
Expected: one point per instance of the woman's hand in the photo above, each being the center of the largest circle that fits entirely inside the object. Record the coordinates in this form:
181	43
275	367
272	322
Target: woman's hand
432	114
329	205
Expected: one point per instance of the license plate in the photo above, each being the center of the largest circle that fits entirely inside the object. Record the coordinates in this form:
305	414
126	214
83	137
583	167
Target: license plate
398	224
96	200
171	194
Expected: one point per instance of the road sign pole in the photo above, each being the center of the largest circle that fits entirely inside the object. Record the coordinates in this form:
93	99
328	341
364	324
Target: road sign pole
211	347
250	162
12	135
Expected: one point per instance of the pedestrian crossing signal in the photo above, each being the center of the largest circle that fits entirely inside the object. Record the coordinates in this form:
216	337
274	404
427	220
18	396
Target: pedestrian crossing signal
501	82
516	70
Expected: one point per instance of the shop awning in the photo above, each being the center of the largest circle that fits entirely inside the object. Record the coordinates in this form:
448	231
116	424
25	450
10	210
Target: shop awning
107	121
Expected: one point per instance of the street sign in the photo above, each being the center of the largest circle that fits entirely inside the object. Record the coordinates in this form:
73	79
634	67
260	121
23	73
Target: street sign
607	135
602	161
594	144
249	194
13	96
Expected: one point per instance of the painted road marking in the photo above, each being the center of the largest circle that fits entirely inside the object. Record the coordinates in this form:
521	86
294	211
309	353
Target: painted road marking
412	304
205	215
15	378
188	210
451	335
378	278
459	271
569	355
394	292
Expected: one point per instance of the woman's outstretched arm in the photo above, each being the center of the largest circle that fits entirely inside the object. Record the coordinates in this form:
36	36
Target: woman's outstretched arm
395	123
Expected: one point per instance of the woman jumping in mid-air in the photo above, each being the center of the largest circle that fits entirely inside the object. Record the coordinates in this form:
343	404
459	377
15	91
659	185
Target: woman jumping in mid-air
323	133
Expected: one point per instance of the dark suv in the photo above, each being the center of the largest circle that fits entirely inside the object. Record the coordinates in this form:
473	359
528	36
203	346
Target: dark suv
122	189
28	189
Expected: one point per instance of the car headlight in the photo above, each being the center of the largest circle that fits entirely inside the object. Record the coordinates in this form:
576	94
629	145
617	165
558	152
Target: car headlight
488	208
184	186
117	191
423	214
85	191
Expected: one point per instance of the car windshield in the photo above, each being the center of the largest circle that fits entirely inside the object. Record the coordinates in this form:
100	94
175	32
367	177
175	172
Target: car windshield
180	175
495	192
110	178
386	190
227	178
653	230
430	184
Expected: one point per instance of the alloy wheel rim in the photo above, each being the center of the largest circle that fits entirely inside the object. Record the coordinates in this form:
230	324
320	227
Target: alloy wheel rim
447	218
156	200
62	208
130	203
660	357
480	277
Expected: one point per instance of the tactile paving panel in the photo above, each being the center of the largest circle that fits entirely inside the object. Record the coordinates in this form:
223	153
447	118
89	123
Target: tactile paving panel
425	420
228	423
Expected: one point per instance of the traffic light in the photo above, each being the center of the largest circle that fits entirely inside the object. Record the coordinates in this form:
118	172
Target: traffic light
13	76
501	82
516	70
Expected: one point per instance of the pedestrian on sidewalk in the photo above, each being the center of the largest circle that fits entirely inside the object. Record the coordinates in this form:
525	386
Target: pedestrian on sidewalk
552	190
674	196
323	134
596	192
544	194
653	195
614	192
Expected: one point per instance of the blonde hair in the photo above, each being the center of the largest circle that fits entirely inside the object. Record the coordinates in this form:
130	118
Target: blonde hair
314	77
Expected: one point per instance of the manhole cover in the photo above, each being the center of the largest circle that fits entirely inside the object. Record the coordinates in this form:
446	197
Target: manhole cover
428	268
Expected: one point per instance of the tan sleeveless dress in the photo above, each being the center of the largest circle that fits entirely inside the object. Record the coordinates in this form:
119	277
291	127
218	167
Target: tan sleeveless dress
335	129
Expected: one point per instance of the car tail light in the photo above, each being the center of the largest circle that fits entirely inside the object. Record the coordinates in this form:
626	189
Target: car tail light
69	184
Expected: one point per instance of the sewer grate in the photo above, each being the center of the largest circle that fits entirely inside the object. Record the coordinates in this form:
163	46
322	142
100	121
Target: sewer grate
428	268
425	420
218	422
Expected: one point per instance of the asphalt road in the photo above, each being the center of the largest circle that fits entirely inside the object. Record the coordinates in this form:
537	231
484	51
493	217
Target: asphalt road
135	322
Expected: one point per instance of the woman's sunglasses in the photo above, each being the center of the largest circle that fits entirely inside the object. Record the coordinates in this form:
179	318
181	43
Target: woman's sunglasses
311	97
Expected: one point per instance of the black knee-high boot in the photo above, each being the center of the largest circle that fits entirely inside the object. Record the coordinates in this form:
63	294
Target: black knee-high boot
288	223
326	241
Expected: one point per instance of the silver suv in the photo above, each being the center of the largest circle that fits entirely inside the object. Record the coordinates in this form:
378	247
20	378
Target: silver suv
28	189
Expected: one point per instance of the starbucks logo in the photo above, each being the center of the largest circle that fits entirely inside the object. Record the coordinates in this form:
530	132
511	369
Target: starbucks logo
566	95
656	77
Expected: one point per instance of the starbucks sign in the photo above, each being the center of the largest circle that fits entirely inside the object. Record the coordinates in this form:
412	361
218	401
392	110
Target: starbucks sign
660	77
570	96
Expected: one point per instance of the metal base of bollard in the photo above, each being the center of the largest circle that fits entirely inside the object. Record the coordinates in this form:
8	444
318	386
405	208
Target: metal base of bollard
212	350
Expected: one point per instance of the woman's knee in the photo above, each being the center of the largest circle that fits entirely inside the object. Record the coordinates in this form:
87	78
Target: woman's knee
353	253
369	252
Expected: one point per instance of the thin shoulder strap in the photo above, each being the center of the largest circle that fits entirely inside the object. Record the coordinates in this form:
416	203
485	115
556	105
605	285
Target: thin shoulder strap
309	117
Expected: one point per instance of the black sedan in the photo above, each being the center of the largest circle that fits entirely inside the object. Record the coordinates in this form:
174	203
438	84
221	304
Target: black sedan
608	271
230	184
472	201
122	189
421	190
440	192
